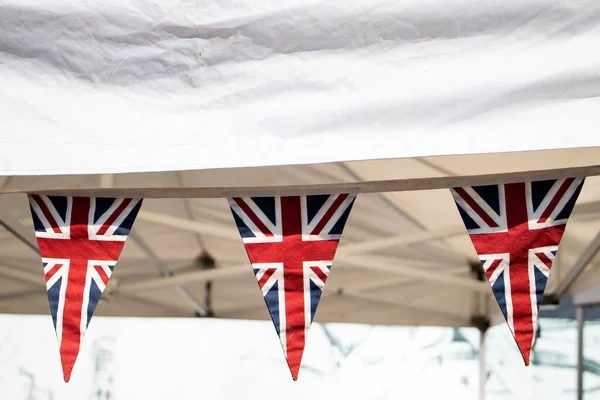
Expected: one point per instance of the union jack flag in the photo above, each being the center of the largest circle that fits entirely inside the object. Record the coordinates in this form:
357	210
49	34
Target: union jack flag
80	240
291	242
516	229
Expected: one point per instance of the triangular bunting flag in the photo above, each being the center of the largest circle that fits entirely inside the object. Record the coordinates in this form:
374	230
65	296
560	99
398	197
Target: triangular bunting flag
291	242
516	229
80	240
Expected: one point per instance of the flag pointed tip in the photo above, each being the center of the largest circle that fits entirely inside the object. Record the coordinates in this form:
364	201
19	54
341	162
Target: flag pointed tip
525	356
68	357
67	374
524	344
525	353
294	364
67	361
294	371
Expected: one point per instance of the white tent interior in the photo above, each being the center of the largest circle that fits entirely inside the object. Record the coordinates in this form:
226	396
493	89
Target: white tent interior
405	257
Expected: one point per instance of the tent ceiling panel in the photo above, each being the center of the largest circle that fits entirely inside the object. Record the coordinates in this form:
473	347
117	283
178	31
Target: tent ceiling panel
404	257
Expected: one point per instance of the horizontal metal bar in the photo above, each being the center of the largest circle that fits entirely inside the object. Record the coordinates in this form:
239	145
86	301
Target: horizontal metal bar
576	270
164	271
383	243
22	275
360	247
421	309
22	233
188	225
182	279
443	279
393	185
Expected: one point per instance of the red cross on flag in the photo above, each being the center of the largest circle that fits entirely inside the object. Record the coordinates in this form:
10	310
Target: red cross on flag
80	240
291	242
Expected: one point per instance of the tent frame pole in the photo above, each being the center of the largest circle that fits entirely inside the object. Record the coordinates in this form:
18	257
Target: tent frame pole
12	225
580	313
162	267
389	185
482	365
482	323
582	262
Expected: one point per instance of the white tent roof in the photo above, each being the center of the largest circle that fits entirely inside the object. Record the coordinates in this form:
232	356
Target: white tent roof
404	257
147	85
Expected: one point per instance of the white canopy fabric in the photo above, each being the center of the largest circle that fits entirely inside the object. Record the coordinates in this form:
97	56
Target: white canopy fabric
146	85
405	257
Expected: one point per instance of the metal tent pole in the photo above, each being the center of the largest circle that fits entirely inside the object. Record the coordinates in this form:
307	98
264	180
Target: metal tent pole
164	271
580	312
582	262
482	368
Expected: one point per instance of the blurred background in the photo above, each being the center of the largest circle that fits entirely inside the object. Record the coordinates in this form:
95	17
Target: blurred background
153	358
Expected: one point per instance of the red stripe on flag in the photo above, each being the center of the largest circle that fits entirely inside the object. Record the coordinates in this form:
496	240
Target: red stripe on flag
102	274
476	207
490	271
319	272
47	214
52	271
114	216
551	207
253	217
544	258
75	290
263	279
520	286
293	277
334	207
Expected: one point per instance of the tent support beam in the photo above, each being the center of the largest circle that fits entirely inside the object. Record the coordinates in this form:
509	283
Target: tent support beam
377	244
582	262
169	309
212	274
384	197
180	279
21	294
370	262
22	275
482	323
388	242
164	270
392	185
107	181
358	261
187	225
413	307
357	292
25	235
482	368
580	312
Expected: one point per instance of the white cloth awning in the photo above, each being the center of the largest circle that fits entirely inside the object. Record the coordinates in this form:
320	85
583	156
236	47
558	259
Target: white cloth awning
143	85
